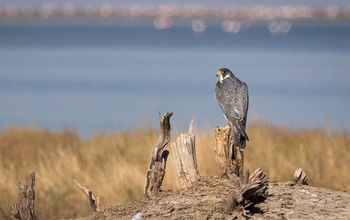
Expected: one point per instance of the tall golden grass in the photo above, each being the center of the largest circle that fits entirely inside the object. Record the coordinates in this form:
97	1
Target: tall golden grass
113	165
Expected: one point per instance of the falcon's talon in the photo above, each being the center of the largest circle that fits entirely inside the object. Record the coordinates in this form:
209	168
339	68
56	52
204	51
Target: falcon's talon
227	127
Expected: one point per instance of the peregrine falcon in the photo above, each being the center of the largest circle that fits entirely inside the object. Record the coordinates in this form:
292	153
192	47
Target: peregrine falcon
232	97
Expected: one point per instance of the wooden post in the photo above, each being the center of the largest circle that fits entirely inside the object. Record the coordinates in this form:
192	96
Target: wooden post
94	203
25	211
184	152
156	170
229	158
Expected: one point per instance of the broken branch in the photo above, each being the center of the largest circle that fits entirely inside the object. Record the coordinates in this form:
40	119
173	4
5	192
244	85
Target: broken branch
94	203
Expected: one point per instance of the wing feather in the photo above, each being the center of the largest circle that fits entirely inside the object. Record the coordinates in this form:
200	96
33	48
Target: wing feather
232	97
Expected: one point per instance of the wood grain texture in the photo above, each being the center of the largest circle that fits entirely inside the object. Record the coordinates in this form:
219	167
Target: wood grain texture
185	160
26	211
299	177
156	171
229	158
94	203
248	191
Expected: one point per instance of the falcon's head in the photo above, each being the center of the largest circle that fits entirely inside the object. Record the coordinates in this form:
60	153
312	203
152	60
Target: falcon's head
224	73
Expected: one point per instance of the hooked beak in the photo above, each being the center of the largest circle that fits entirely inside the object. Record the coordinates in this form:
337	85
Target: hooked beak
219	73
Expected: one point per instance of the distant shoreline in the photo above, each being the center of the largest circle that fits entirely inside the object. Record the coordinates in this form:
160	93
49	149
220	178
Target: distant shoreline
175	12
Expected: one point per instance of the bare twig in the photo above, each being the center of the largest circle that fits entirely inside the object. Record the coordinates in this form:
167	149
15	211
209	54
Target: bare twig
190	128
94	203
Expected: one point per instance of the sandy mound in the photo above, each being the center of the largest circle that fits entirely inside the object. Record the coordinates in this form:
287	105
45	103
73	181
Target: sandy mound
207	200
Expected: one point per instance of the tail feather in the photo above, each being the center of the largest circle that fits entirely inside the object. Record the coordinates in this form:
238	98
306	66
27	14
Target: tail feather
239	128
242	131
239	135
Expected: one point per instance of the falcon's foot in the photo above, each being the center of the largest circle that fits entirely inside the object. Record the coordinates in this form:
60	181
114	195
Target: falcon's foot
225	128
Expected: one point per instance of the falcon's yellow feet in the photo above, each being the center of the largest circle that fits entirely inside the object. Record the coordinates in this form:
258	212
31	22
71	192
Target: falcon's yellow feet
225	128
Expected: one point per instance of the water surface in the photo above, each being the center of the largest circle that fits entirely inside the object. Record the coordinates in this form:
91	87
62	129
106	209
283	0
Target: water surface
100	77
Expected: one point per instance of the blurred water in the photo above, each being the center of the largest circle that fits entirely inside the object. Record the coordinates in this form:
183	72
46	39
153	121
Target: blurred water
102	77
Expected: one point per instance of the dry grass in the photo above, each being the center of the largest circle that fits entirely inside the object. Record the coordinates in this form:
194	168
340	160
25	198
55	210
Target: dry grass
113	165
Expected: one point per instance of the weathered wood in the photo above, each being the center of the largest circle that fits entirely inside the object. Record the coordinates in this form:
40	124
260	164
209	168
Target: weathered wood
26	211
184	153
94	203
257	175
299	177
229	158
249	191
156	171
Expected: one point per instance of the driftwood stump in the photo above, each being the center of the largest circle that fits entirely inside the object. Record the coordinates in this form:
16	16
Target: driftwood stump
156	171
249	191
184	152
25	211
299	177
94	203
229	158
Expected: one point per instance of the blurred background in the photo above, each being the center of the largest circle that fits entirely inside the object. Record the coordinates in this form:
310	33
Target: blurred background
103	66
81	83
